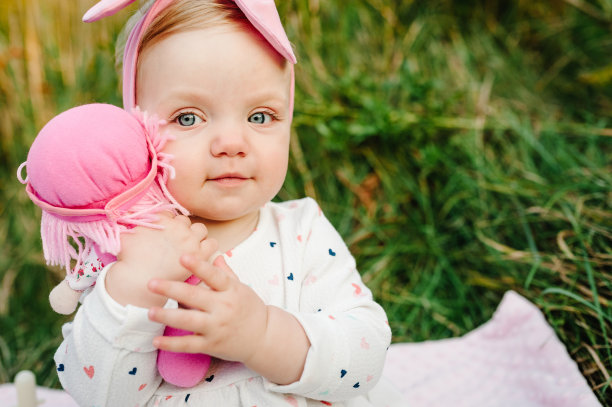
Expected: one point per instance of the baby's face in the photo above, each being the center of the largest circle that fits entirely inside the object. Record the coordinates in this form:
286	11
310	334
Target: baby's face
225	94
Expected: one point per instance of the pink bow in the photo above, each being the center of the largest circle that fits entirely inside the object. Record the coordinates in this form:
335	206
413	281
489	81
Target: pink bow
261	13
105	8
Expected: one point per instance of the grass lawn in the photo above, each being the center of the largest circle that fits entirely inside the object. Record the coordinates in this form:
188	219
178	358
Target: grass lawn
462	149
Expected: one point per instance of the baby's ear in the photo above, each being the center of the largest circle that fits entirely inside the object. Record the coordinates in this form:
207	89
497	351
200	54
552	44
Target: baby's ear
64	299
105	8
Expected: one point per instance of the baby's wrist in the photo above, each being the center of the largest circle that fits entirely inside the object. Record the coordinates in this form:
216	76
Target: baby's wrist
281	349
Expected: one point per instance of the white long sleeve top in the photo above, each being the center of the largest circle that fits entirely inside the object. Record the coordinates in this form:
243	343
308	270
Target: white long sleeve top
294	260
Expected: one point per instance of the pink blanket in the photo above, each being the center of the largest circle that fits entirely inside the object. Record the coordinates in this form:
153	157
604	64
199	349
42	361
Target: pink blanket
515	359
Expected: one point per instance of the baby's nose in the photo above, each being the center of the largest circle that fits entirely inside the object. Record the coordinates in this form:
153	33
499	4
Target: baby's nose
229	140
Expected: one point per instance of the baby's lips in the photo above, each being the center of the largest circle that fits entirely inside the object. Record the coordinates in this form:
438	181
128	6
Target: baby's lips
105	8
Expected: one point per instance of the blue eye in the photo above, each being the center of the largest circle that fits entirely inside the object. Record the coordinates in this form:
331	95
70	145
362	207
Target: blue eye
188	119
260	118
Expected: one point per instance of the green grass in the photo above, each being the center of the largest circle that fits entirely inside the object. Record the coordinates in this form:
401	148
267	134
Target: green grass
461	148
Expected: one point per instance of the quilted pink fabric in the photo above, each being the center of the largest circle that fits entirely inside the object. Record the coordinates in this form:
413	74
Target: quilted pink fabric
515	359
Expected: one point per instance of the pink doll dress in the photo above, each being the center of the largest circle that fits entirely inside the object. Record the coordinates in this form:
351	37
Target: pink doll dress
97	171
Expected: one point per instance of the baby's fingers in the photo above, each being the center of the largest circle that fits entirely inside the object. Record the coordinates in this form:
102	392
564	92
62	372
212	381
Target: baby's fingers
184	344
192	320
213	276
190	296
208	247
199	229
222	264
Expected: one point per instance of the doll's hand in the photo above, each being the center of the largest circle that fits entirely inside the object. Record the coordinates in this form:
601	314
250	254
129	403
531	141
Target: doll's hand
231	322
154	253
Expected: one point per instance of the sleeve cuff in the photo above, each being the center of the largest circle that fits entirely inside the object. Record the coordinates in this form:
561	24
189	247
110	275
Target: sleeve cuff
325	351
126	327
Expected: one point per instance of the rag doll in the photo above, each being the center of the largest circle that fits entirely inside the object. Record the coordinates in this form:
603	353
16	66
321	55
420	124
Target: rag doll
97	171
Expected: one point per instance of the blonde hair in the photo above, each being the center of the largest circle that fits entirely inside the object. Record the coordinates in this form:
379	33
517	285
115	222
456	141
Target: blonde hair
184	15
179	16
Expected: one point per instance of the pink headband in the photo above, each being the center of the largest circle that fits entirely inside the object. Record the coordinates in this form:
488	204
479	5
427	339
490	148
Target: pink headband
262	14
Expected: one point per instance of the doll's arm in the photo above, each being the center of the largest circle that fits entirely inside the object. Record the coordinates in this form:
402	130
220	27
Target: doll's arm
64	297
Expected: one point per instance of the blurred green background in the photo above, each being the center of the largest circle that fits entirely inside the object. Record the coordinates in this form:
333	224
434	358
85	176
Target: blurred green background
462	149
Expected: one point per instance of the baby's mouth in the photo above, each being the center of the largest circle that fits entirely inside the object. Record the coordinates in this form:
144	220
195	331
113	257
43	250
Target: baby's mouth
229	179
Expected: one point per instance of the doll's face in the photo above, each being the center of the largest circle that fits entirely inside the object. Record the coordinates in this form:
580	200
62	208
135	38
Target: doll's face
225	94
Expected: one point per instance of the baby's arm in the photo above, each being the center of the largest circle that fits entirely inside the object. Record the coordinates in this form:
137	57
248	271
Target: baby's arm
332	349
347	329
107	356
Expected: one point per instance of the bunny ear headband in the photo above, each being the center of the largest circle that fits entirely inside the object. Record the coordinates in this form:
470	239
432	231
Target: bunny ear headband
262	14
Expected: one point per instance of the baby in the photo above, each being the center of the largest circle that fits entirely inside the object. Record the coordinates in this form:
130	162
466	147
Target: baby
283	310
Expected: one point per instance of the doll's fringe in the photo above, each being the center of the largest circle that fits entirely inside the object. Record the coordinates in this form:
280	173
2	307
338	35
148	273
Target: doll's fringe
66	241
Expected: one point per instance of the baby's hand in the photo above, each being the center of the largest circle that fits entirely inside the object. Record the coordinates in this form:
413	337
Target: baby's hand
227	317
231	322
148	253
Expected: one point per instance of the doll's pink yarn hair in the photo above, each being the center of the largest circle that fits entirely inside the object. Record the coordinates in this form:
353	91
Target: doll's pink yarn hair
96	171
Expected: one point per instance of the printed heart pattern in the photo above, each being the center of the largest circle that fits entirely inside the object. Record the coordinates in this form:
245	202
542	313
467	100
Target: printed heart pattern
291	400
274	280
133	371
310	280
60	367
89	371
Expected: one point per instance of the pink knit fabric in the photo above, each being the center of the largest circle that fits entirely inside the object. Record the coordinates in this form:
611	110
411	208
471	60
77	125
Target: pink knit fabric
86	155
96	170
